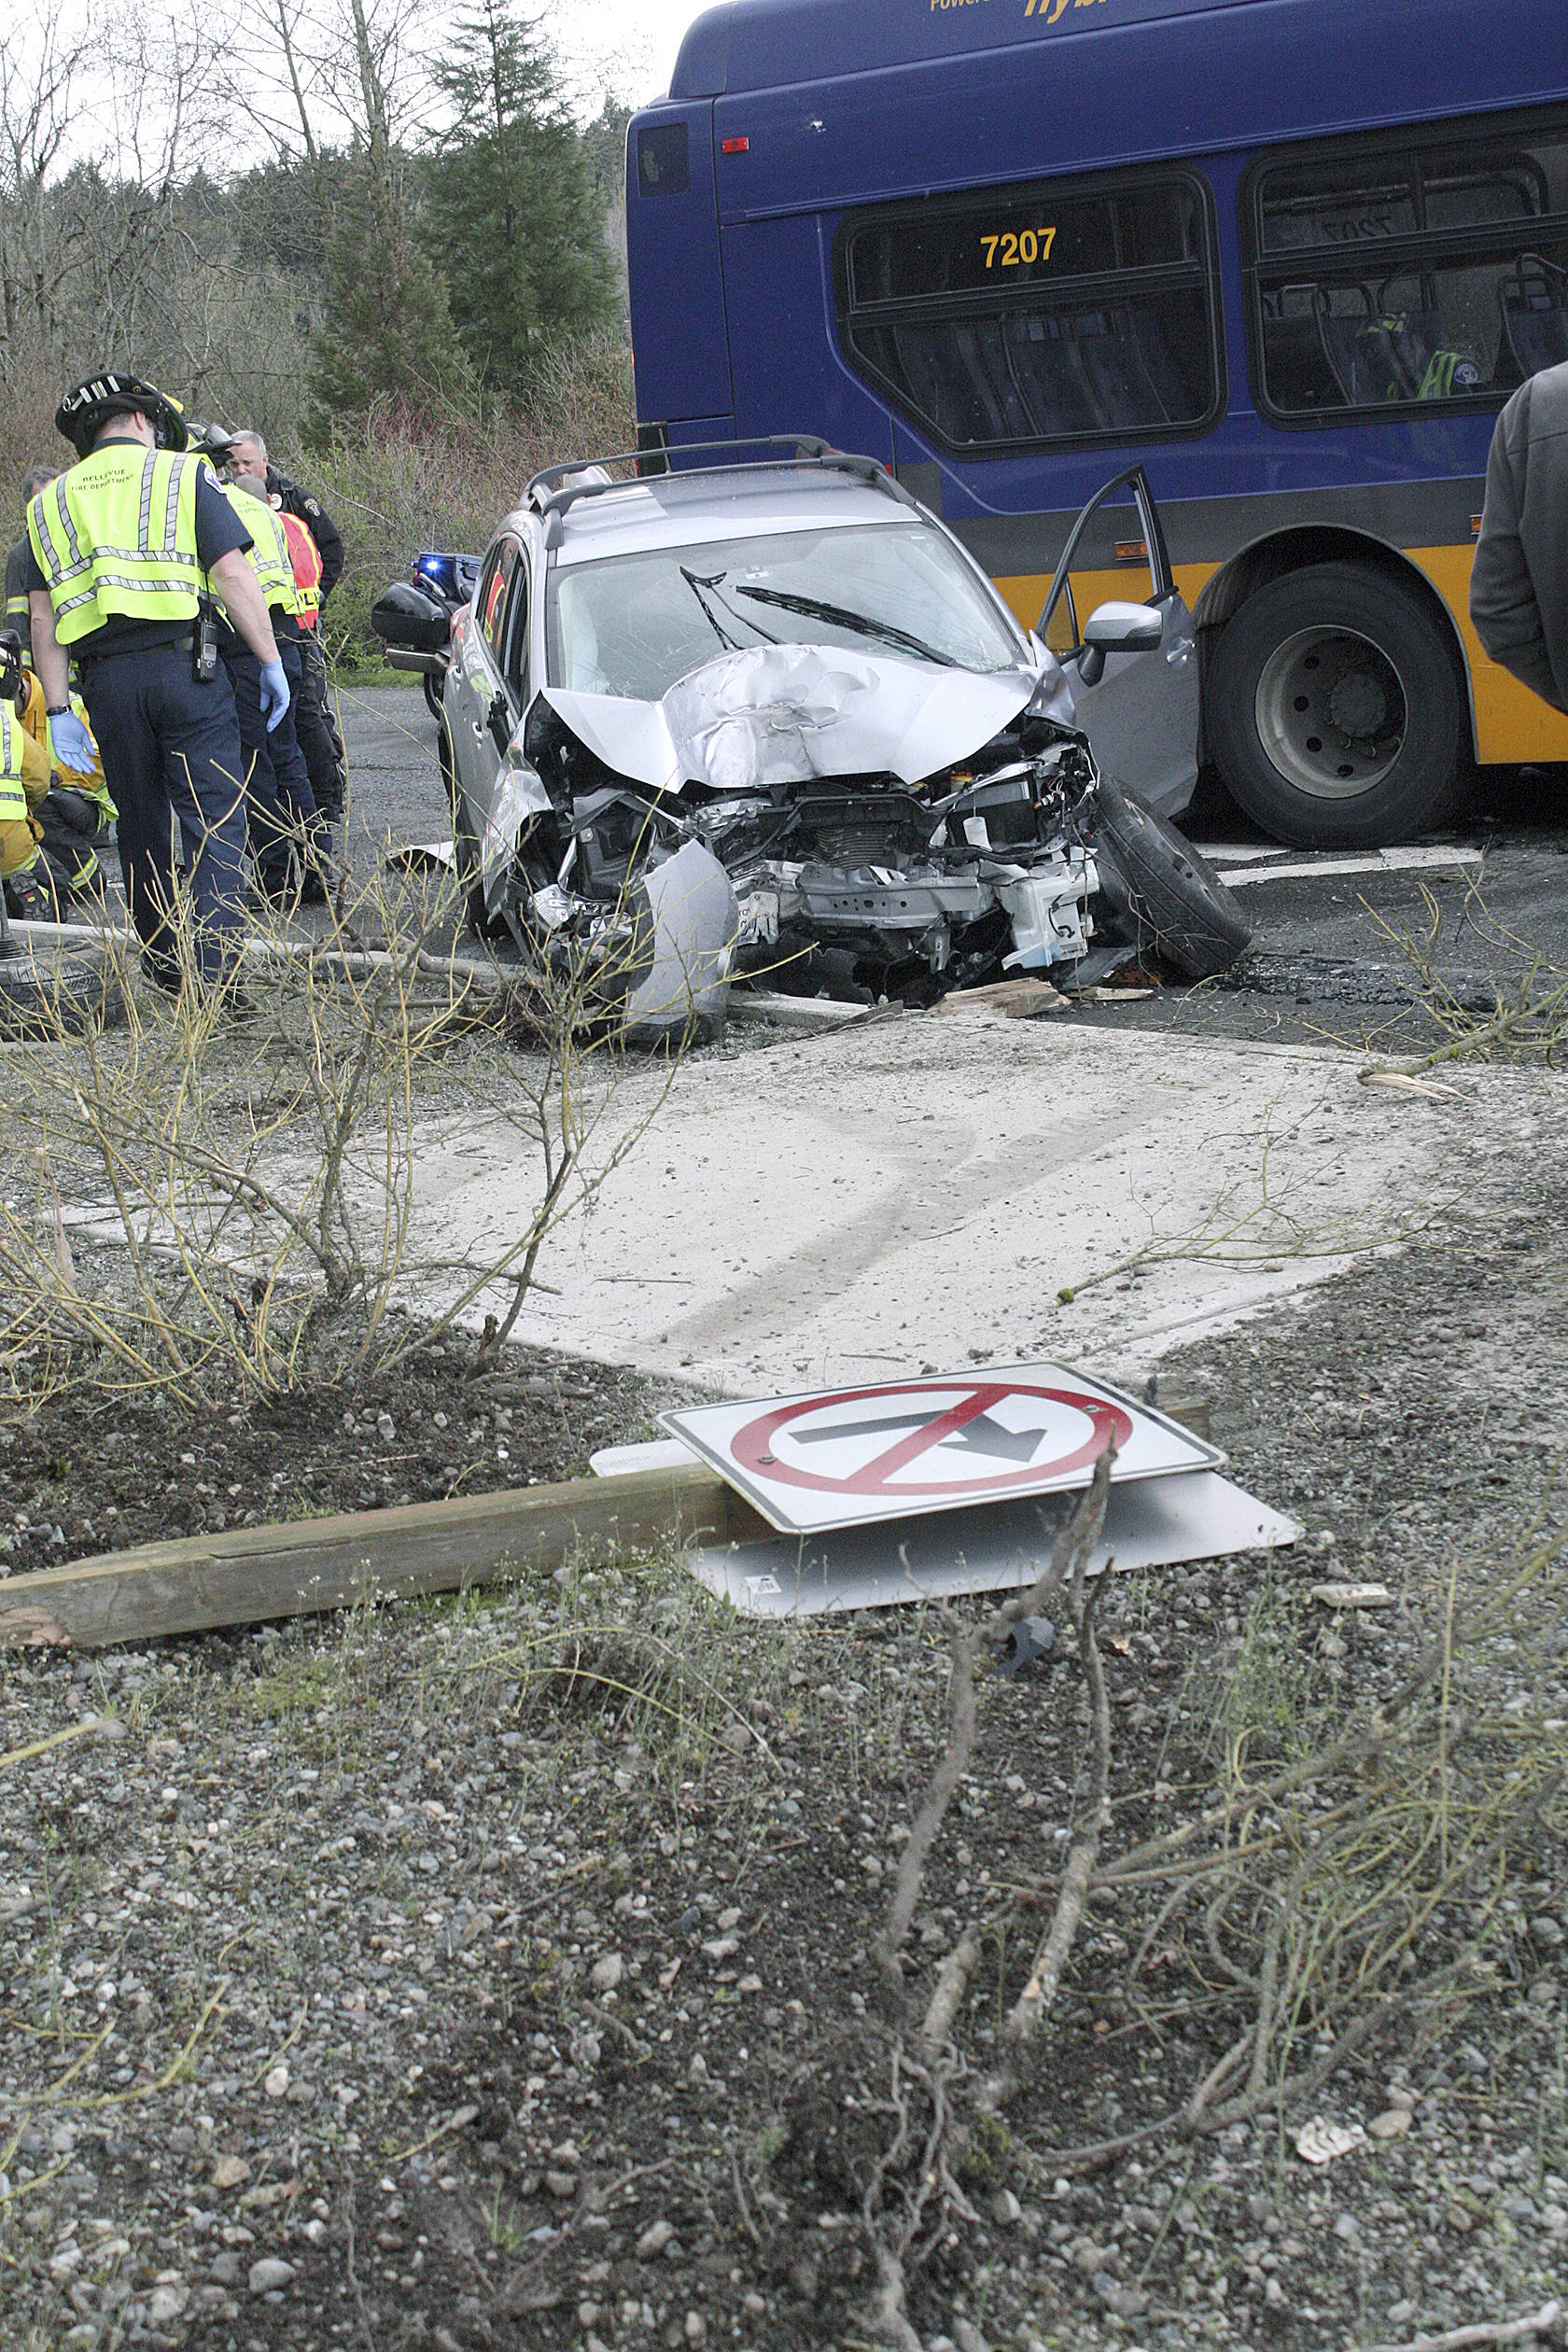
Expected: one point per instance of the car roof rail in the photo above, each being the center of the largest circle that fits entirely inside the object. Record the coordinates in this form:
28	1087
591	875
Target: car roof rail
554	490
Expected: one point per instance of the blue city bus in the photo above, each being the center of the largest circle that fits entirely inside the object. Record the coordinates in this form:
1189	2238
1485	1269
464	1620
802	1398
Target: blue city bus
1291	256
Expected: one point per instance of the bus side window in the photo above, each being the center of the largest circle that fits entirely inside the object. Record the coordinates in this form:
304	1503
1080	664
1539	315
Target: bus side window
1405	270
1036	316
664	160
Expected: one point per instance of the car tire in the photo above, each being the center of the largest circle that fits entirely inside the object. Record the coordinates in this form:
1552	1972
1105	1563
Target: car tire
433	699
1334	709
1160	883
58	991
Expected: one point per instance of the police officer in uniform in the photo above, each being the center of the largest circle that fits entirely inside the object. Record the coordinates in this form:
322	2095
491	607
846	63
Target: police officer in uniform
121	551
284	818
314	723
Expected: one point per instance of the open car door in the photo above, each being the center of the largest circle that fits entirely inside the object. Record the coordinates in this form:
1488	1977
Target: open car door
1140	713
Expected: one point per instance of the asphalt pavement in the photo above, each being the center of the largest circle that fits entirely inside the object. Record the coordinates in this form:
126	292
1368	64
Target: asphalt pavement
1343	944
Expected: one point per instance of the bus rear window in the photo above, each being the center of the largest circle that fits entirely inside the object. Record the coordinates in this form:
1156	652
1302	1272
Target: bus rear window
1407	272
1038	317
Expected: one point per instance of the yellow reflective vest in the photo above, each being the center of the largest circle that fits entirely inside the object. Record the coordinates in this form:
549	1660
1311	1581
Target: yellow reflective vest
268	555
13	739
115	536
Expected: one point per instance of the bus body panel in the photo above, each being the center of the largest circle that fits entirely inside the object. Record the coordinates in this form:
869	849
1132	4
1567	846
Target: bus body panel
680	337
1252	74
831	108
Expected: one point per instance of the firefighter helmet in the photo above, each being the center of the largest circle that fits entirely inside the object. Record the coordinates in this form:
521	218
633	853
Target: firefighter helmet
114	392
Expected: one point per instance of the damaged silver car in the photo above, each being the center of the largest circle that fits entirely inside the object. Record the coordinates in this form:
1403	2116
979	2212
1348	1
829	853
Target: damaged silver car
771	718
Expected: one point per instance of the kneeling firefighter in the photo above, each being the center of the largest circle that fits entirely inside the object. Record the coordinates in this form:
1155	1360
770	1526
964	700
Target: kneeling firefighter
47	856
125	549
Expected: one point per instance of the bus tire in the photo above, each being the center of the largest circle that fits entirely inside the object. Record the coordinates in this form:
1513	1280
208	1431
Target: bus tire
1334	709
1162	884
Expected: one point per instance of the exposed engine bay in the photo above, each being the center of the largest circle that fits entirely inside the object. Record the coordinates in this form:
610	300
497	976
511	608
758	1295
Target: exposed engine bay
897	880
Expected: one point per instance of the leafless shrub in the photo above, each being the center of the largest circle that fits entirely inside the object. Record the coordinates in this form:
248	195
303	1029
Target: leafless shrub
1528	1014
1324	1877
209	1206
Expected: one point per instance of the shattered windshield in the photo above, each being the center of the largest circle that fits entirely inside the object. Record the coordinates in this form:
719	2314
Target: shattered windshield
633	624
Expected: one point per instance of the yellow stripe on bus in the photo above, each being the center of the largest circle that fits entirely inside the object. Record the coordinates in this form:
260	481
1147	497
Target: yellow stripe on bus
1511	723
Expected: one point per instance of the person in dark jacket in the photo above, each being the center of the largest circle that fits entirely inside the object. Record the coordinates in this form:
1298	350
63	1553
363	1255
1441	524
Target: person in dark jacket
249	454
1518	583
315	719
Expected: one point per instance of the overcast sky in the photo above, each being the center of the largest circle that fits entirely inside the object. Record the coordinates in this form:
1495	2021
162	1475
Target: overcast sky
625	46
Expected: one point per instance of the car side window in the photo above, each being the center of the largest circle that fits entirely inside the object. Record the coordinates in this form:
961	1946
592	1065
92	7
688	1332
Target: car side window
491	600
514	667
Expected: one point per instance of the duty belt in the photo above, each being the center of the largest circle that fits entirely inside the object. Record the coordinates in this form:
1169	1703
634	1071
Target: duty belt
182	643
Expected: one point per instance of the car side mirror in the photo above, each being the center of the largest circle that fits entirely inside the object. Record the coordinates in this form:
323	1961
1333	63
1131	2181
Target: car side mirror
1117	628
405	617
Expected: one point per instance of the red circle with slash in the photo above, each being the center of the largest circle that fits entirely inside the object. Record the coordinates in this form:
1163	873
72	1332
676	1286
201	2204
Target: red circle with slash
752	1446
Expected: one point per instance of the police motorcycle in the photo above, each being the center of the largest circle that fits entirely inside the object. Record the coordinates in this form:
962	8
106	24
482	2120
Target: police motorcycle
439	582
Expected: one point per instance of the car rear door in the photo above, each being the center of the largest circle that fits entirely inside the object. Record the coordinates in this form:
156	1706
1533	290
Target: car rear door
1141	715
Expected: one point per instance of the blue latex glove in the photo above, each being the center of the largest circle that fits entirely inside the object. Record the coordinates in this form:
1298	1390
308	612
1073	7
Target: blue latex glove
71	745
275	693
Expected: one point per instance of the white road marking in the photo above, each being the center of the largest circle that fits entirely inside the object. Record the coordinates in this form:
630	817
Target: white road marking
1411	861
1218	852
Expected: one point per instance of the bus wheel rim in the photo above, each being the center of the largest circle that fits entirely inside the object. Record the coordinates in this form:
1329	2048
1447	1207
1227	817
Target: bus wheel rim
1331	712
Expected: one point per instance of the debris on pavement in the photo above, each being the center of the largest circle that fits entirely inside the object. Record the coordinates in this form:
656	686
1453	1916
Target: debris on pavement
1032	1639
1353	1596
1016	1000
1319	2142
1407	1082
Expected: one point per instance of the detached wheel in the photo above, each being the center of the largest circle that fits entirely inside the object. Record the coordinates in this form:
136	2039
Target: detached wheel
1160	883
1334	709
54	992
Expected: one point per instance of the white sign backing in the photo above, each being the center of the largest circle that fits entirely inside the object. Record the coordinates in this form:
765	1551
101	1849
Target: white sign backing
853	1456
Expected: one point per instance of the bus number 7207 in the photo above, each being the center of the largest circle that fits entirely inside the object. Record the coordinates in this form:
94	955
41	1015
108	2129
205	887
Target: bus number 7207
1027	244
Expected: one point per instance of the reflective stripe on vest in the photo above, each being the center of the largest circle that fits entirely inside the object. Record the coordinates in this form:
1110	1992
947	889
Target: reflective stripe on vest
115	535
13	800
306	558
268	555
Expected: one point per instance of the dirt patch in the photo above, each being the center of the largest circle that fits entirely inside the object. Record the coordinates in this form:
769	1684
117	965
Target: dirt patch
500	1972
78	1478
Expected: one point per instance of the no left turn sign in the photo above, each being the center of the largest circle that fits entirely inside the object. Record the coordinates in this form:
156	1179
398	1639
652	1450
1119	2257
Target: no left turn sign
843	1457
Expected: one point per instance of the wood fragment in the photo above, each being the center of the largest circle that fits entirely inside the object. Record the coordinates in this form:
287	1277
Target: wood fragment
1408	1084
304	1566
1535	2323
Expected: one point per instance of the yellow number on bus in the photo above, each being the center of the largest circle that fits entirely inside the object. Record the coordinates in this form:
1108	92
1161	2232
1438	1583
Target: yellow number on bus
1026	246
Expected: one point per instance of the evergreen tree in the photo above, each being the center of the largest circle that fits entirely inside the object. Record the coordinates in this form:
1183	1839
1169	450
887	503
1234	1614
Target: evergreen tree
513	219
385	324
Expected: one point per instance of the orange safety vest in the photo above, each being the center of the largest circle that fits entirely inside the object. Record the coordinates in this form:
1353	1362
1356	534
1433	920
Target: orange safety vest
306	558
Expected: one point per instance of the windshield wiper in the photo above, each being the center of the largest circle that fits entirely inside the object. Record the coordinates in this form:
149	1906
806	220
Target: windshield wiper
841	617
696	583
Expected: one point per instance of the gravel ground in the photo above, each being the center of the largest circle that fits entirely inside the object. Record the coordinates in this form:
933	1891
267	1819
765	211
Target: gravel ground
497	1972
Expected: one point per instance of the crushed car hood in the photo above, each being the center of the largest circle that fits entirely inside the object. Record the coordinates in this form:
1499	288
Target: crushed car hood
773	715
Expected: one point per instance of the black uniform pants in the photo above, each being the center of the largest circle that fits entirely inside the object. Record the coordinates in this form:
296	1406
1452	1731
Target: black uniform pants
316	729
281	805
171	748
